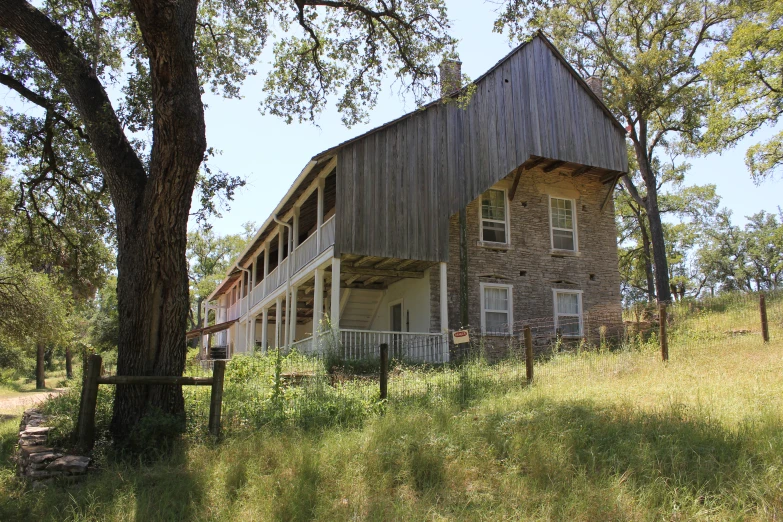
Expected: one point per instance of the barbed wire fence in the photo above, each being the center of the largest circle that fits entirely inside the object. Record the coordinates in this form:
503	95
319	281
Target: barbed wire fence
331	387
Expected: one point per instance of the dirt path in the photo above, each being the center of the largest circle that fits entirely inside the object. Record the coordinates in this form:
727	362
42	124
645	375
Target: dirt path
23	401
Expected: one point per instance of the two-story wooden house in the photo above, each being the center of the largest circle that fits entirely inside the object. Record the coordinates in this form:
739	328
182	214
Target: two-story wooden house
488	214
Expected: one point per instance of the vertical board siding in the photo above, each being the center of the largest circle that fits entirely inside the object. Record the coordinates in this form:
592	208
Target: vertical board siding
398	187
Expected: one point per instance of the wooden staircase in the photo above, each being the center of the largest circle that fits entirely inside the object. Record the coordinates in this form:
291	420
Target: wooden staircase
359	307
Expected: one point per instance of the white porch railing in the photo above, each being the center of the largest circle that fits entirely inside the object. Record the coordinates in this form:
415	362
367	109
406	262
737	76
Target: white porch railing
259	292
365	344
305	253
327	234
302	256
408	346
233	311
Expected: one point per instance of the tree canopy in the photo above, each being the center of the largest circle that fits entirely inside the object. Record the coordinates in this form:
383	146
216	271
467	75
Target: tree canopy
649	54
747	74
145	147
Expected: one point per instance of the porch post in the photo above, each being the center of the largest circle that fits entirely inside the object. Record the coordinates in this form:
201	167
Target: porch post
264	329
280	245
318	301
251	334
293	313
266	259
253	275
319	214
295	228
334	309
444	311
287	319
278	320
205	307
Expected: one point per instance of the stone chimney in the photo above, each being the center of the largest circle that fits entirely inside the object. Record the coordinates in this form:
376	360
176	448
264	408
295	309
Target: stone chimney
597	86
450	76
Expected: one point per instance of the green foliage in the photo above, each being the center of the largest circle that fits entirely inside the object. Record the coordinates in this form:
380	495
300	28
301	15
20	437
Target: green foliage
747	74
649	54
747	259
105	320
32	310
209	256
696	439
690	211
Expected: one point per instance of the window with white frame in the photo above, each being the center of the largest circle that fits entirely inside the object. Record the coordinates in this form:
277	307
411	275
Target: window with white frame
568	312
563	223
494	216
497	316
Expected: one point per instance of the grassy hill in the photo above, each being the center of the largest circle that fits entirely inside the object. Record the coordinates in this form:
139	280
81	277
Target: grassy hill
600	436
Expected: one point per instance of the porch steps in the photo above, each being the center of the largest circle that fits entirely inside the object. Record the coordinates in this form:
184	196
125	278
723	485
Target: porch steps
360	308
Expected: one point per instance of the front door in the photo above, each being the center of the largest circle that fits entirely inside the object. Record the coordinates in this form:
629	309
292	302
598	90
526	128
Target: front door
396	317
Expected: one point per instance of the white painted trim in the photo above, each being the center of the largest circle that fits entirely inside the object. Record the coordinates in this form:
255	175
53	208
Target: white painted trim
318	299
396	302
331	164
299	179
334	308
552	229
510	289
507	212
556	315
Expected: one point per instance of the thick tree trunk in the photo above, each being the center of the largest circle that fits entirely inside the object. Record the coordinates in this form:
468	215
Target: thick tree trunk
151	204
152	288
648	269
152	295
40	371
68	363
663	292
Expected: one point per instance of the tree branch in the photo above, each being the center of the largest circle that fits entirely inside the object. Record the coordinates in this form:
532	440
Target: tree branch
124	171
17	86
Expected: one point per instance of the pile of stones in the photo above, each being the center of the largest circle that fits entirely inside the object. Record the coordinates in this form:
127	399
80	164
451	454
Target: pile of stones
39	462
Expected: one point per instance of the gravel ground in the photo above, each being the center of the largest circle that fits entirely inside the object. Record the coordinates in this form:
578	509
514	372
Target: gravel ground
26	400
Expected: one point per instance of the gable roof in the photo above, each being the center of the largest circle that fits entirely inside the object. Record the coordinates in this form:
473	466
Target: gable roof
538	36
427	112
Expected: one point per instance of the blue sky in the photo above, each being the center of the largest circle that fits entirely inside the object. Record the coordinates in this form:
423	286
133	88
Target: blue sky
270	154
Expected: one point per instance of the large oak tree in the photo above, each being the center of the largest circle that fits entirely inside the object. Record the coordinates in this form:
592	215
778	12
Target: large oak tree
146	141
649	54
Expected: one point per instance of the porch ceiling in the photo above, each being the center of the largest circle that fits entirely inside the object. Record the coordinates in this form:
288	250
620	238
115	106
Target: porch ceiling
368	272
358	271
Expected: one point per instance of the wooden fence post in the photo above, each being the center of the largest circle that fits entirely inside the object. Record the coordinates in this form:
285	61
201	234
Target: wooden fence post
86	423
384	370
216	398
663	339
529	354
764	323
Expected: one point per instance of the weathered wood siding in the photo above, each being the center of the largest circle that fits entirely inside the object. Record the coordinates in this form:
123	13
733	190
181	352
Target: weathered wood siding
398	186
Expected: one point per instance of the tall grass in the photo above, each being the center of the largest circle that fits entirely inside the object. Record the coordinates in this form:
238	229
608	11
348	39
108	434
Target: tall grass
601	435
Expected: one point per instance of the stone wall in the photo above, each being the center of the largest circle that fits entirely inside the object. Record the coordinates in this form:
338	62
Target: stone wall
529	263
37	461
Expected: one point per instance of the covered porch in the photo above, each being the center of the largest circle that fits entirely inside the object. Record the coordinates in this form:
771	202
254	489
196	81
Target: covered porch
351	305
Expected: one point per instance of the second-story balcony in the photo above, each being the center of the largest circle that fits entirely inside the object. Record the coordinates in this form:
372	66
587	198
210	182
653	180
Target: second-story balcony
302	256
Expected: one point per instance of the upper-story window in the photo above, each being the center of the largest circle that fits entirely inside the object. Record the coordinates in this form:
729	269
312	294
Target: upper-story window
494	216
563	223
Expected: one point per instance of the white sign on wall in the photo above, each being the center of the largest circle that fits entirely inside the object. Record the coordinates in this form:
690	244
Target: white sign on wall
461	337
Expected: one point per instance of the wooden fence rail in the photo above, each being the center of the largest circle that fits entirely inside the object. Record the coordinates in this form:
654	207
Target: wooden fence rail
85	426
